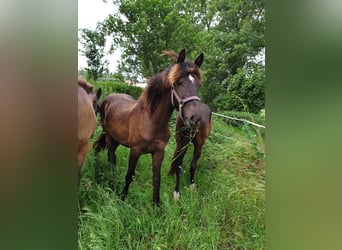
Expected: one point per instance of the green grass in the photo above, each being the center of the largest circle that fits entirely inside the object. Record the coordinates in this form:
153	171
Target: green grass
227	210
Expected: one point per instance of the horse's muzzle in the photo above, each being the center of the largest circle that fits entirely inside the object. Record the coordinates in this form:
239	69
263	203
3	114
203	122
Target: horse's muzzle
192	122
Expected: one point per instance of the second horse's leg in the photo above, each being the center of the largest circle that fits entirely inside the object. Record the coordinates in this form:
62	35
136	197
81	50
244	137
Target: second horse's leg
196	155
176	165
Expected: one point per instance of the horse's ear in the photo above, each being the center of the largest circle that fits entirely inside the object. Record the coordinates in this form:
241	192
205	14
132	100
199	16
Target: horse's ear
181	56
98	93
199	60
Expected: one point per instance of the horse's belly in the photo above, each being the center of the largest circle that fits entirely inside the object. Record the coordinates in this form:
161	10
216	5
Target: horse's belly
120	134
86	124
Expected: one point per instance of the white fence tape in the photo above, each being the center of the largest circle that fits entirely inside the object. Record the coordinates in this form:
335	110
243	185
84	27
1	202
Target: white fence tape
237	119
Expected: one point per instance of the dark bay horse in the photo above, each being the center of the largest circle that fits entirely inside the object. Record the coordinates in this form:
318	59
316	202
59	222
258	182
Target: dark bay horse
88	103
186	135
142	125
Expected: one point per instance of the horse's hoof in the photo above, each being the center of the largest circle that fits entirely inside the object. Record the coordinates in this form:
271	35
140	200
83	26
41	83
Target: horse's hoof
192	187
175	196
123	196
156	204
113	162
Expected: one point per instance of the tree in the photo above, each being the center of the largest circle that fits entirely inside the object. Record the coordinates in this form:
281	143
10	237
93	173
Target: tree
143	29
230	33
82	73
236	37
93	42
246	91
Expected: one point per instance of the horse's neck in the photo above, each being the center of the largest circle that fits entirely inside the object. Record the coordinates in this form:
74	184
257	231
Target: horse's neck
164	110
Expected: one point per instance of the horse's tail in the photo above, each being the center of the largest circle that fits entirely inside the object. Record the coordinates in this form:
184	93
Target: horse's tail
100	143
172	169
102	110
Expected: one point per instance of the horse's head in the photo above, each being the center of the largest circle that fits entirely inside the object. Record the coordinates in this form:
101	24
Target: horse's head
96	100
185	78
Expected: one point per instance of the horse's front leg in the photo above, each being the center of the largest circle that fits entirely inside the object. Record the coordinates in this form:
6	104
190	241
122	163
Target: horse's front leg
176	166
157	158
182	140
133	159
196	155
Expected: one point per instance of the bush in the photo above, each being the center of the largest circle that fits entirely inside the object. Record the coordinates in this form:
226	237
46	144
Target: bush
244	91
226	211
118	87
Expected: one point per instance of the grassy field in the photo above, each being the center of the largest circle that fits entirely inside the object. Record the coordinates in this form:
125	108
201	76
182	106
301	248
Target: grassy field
226	211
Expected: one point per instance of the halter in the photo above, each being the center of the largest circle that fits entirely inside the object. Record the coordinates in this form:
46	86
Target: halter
181	102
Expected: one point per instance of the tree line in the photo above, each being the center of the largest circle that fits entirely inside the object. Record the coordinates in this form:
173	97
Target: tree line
230	33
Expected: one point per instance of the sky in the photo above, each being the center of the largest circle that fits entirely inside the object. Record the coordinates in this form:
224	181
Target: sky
89	13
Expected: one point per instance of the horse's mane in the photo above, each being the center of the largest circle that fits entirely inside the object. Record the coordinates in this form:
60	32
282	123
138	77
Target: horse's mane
157	85
85	85
160	83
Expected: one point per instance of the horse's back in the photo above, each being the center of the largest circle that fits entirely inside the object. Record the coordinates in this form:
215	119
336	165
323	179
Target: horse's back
116	105
86	116
119	97
117	101
205	113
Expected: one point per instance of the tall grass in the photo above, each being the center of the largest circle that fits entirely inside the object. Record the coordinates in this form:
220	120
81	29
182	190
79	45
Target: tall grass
226	211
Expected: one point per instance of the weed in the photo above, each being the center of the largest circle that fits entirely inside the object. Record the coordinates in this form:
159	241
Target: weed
225	212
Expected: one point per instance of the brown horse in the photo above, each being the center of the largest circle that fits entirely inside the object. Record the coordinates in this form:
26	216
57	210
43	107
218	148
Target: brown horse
142	125
88	104
184	136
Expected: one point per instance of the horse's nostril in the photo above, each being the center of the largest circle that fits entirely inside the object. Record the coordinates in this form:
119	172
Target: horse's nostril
192	122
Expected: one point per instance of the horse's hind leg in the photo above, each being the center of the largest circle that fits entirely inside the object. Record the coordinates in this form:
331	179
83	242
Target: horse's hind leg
133	159
100	143
82	152
111	145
